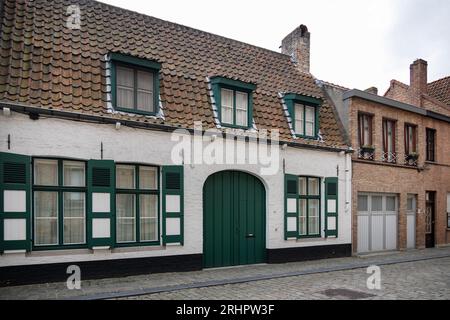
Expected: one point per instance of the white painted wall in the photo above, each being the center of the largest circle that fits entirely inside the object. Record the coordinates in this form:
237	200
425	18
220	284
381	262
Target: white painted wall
80	140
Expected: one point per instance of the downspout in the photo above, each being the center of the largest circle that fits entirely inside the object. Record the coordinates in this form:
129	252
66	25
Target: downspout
348	182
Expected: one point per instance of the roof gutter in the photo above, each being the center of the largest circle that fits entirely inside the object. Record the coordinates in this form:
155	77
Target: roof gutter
25	109
395	104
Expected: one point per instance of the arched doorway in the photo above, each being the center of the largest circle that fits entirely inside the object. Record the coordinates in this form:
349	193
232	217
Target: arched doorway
234	214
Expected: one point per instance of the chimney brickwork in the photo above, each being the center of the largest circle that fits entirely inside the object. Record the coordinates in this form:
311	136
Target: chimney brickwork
297	44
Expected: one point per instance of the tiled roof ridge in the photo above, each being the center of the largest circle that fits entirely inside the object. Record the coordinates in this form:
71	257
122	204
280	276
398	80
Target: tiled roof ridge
330	84
188	28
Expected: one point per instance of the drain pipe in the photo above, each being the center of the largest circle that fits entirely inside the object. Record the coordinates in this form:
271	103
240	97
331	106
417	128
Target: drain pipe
348	182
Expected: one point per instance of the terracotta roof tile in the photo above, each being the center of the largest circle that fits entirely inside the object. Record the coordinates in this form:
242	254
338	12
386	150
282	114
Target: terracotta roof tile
45	64
440	90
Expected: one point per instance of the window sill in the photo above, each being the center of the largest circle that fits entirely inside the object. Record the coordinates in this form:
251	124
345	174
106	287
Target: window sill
135	111
138	249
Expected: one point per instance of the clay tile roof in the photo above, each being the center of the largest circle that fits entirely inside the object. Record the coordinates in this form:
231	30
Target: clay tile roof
440	90
45	64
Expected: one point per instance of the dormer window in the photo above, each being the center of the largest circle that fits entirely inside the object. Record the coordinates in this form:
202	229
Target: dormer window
234	101
304	112
135	84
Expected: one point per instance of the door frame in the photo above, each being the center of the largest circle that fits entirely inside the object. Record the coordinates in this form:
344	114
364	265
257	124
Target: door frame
264	204
430	201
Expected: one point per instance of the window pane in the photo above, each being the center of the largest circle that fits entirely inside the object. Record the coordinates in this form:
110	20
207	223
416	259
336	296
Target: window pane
302	186
367	133
314	186
241	109
126	218
390	203
145	81
377	203
302	217
125	87
363	203
125	177
46	172
241	101
299	113
410	206
74	218
227	106
313	217
145	101
149	217
46	218
309	121
74	174
148	178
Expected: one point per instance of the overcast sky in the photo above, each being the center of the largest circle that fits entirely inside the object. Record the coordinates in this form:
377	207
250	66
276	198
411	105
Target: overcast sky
354	43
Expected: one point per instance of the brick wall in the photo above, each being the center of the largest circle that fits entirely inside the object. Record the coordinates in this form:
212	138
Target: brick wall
376	176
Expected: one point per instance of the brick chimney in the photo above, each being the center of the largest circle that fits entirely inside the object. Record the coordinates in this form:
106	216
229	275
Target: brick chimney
418	78
297	45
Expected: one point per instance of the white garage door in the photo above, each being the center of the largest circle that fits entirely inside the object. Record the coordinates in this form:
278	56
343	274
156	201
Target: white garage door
377	222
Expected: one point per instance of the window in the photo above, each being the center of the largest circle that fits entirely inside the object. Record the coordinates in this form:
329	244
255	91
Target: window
59	203
234	108
137	204
365	130
431	145
309	207
135	84
410	139
304	112
234	102
389	154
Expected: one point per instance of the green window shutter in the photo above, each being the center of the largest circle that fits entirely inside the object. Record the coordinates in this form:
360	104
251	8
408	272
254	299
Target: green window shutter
101	203
173	204
15	202
331	207
291	206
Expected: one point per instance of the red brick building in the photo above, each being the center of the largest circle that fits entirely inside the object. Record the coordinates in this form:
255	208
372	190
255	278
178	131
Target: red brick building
401	163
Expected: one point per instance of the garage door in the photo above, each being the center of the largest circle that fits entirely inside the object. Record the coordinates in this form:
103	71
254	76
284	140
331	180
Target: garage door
377	222
234	220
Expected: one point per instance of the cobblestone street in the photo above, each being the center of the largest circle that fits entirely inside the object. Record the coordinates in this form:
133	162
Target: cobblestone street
418	280
419	274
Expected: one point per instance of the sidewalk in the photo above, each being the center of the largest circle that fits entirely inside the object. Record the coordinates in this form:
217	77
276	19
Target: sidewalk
155	283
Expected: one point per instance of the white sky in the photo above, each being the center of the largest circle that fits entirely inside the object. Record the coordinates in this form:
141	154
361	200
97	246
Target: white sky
354	43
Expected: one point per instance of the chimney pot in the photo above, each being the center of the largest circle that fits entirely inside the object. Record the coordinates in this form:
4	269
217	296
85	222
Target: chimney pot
297	45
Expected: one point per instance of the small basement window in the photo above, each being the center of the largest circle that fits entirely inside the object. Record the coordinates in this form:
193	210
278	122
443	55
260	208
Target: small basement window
135	84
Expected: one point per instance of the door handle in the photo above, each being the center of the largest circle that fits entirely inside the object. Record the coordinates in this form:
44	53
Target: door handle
250	235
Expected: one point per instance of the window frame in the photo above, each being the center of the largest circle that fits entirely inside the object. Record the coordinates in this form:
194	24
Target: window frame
60	189
385	137
308	197
361	140
415	138
293	99
219	83
137	192
430	149
136	64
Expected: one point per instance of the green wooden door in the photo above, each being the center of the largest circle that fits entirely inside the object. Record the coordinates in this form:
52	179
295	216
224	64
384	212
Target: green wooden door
234	220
